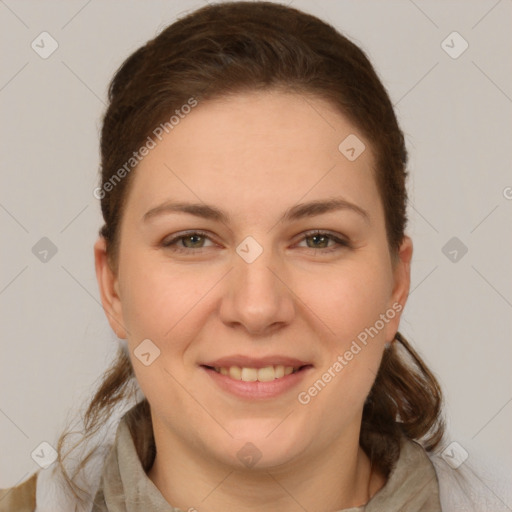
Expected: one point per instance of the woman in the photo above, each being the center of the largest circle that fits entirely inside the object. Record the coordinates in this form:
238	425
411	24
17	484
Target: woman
254	258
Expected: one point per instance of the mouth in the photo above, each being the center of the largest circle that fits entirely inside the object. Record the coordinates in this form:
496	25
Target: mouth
249	374
262	383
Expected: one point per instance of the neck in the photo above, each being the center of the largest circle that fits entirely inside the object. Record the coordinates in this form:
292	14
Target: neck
341	477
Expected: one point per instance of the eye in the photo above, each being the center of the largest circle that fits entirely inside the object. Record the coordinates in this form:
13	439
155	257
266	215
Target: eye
321	239
320	242
187	242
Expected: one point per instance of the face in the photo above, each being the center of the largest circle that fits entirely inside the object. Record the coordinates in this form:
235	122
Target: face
253	283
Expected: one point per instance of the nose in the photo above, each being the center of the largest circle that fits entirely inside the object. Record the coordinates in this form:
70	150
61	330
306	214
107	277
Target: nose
257	296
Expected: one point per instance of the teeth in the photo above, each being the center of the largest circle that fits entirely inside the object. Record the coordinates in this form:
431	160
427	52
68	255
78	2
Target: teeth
235	373
266	374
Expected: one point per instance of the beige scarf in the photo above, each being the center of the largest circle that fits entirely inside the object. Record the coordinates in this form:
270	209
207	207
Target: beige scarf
419	482
124	487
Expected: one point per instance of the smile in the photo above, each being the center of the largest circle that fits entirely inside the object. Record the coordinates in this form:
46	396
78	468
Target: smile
266	374
256	379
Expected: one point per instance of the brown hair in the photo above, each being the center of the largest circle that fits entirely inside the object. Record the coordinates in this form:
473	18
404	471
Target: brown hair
233	47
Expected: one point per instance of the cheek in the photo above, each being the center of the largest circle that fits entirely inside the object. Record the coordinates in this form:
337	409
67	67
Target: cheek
163	305
350	304
349	299
160	301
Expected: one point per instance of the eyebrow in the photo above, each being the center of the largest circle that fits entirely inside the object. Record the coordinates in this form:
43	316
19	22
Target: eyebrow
296	212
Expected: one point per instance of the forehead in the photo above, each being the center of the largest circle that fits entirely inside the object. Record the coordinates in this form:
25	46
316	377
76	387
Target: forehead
256	151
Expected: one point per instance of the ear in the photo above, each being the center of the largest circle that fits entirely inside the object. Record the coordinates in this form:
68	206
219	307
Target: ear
109	289
401	285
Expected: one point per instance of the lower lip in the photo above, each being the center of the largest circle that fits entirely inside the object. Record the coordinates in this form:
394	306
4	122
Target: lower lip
257	390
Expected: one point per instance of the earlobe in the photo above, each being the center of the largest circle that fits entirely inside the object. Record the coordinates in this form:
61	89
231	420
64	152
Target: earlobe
109	289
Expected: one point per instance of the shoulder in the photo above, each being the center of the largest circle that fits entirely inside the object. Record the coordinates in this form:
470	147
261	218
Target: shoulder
470	481
21	498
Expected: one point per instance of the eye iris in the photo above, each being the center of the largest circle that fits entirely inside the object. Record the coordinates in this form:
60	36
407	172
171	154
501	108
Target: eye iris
323	238
190	238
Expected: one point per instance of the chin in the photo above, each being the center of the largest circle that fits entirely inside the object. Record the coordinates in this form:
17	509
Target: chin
263	444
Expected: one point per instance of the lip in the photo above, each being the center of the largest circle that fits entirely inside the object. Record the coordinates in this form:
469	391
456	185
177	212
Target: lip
255	362
257	390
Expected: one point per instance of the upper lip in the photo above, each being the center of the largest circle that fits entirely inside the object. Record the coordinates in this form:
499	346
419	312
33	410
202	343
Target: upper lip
255	362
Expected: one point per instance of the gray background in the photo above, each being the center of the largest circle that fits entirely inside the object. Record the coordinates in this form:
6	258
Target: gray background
455	112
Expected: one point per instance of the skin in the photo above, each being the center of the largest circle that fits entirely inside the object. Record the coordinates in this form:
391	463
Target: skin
254	155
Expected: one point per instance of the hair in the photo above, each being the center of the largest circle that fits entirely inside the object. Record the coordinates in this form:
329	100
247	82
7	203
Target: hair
234	47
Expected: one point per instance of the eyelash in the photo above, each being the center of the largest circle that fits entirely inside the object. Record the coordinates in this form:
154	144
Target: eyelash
340	242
